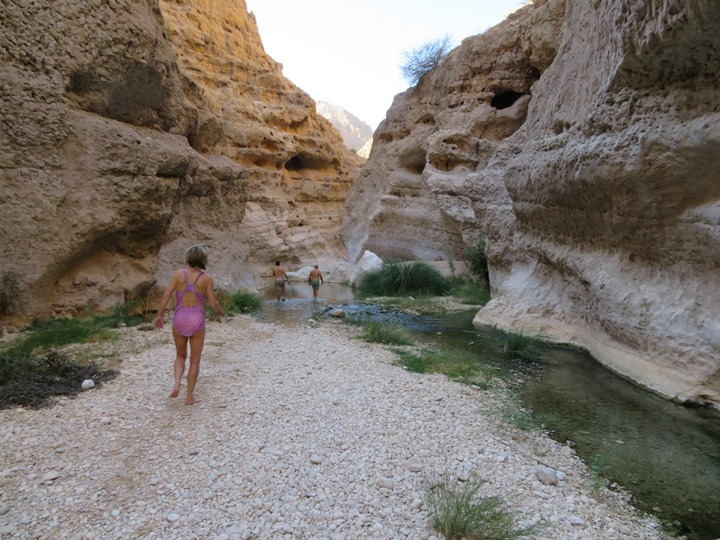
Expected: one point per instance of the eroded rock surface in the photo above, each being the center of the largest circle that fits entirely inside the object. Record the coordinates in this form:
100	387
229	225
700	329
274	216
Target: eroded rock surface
117	153
410	201
593	173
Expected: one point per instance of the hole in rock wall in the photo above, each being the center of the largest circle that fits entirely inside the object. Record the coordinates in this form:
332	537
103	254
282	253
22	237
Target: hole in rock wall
505	99
295	163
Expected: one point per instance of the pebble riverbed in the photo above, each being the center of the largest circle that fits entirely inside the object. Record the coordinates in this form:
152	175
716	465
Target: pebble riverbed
303	432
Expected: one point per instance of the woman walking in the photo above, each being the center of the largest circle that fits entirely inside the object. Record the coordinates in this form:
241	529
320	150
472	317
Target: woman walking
192	287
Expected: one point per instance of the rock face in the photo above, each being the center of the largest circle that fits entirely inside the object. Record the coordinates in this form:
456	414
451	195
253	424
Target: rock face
116	153
597	187
355	133
410	201
298	170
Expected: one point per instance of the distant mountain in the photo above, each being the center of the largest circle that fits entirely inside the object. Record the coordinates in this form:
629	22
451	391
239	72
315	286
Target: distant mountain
355	132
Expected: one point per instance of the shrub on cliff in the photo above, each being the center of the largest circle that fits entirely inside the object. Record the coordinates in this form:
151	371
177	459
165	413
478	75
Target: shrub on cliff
417	62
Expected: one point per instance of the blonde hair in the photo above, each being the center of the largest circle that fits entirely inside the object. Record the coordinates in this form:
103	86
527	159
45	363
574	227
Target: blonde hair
197	256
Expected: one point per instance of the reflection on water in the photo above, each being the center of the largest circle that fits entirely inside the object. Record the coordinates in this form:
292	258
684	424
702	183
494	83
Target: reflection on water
666	455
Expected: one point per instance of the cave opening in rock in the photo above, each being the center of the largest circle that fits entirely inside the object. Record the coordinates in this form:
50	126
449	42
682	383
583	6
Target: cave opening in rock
295	163
505	99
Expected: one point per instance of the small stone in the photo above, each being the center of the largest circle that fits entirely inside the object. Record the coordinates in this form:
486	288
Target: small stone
194	452
413	465
547	476
384	482
106	420
315	460
50	476
4	509
115	513
172	517
339	313
87	384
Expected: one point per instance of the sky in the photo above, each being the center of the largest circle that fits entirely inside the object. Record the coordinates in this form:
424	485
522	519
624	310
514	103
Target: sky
349	52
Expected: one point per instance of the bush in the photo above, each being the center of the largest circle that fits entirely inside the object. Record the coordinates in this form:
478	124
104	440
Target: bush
403	279
417	62
242	302
9	292
477	261
457	511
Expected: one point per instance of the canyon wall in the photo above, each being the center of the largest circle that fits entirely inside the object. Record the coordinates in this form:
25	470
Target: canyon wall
601	199
133	129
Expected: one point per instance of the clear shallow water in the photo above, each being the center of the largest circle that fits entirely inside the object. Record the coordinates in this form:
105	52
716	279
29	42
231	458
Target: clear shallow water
665	455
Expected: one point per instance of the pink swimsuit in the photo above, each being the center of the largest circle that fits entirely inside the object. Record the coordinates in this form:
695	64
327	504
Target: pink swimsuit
189	320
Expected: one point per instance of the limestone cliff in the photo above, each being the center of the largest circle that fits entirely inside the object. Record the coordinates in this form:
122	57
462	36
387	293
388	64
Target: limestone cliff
118	150
598	187
410	201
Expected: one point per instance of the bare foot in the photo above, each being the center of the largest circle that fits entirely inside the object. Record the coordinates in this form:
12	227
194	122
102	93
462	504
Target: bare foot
191	401
174	393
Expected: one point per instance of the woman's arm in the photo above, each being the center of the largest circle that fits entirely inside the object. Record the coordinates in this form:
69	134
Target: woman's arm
212	300
163	303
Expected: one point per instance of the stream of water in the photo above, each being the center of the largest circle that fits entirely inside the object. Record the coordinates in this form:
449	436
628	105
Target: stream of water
667	456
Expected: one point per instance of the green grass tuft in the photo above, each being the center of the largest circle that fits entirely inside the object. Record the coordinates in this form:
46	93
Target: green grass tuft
388	334
523	346
404	279
457	511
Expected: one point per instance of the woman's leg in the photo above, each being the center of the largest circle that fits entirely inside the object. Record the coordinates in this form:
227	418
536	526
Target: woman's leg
180	356
196	347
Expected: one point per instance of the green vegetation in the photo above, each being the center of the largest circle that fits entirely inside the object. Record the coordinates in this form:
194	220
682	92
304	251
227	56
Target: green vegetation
599	466
9	292
470	292
518	416
43	335
403	279
523	346
419	61
454	362
388	334
32	370
235	302
457	511
242	302
477	261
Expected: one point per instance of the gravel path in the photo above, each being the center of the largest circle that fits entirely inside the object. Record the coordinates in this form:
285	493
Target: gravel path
301	433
